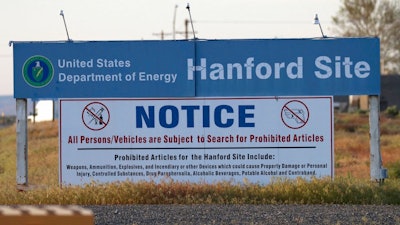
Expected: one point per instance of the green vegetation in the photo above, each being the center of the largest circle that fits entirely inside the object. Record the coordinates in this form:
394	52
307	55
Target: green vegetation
350	186
300	191
392	111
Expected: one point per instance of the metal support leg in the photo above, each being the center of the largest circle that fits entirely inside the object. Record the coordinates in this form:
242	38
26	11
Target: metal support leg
378	173
22	142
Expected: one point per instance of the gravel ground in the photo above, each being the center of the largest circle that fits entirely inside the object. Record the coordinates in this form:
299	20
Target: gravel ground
245	214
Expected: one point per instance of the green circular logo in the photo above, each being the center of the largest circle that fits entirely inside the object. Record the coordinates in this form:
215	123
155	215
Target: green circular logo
38	71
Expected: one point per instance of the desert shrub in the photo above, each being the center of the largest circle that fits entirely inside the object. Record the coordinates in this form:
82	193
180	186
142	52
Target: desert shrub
392	111
394	170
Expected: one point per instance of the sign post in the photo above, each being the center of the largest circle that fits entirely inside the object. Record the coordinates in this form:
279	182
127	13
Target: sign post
22	142
378	173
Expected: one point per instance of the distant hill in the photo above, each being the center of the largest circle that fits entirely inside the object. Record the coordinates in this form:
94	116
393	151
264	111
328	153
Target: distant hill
7	105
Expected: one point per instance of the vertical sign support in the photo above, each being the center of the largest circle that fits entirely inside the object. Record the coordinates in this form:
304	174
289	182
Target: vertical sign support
377	172
22	142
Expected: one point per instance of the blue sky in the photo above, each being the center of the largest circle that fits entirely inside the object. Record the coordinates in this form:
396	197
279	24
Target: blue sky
40	20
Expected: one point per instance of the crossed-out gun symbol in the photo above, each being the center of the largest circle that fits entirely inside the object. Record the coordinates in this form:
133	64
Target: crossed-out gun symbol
296	114
97	116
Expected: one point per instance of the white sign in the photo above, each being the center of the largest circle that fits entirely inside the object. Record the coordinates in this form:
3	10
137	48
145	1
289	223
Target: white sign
195	139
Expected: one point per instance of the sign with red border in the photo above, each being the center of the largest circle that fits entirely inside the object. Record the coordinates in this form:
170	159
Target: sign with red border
295	114
195	139
95	116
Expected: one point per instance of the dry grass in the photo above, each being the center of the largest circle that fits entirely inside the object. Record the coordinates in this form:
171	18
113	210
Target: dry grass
351	184
352	153
299	191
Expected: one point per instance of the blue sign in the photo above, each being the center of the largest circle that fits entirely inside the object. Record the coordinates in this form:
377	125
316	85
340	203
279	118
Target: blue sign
286	67
102	69
275	67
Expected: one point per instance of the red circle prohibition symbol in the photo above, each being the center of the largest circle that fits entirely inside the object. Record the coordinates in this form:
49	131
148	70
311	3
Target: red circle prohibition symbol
95	116
295	114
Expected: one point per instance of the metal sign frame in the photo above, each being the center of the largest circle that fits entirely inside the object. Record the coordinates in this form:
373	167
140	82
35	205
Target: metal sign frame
260	67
